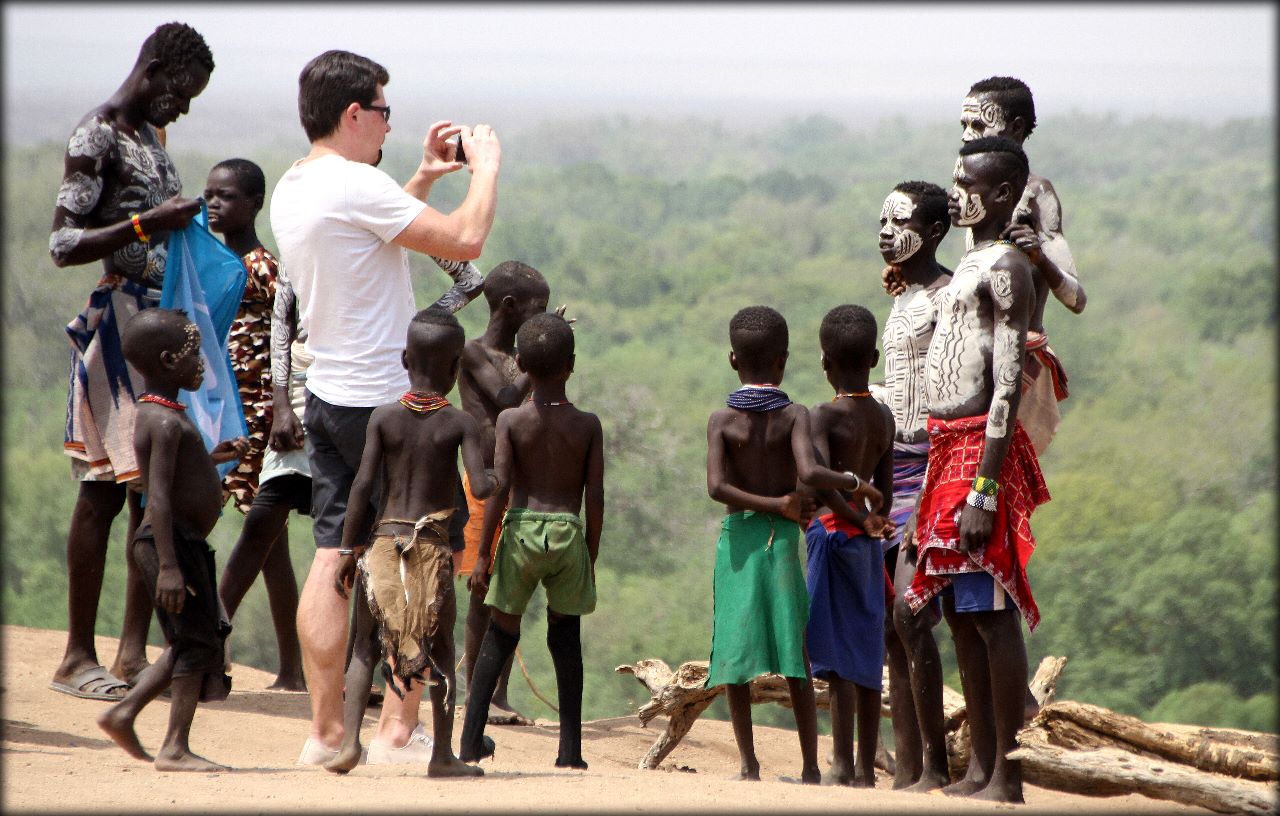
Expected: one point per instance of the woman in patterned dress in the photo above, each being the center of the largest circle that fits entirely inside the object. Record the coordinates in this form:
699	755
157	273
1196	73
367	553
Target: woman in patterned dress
234	192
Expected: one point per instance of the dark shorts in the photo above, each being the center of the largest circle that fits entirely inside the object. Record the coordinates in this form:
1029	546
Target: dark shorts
292	490
197	635
335	444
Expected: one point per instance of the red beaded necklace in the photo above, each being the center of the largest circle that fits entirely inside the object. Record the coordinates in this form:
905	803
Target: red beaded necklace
159	400
422	402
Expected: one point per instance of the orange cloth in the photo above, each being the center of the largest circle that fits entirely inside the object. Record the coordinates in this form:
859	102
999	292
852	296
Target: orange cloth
472	532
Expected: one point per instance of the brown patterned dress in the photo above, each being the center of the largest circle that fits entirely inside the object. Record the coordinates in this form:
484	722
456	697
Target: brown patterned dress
249	346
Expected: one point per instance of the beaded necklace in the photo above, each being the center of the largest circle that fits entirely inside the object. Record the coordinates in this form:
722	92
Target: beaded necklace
764	397
840	394
159	400
420	402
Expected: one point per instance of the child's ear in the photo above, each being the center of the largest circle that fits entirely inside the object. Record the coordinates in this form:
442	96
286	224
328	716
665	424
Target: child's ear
508	303
404	359
520	363
168	358
455	367
258	201
733	361
875	359
826	364
572	358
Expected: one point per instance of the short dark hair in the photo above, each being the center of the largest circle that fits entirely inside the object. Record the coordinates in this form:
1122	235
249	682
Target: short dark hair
1009	158
848	335
435	330
331	82
932	201
248	175
150	332
757	333
545	344
513	278
176	45
1012	95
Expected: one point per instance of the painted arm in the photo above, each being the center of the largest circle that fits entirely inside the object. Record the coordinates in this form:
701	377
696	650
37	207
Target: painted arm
594	491
468	283
286	428
1039	234
1010	289
72	241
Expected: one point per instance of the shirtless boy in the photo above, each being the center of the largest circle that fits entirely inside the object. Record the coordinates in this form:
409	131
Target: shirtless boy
406	567
913	222
756	449
489	384
983	481
846	574
183	499
549	459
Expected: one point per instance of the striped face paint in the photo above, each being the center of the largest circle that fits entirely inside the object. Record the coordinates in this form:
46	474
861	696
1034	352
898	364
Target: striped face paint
972	210
981	116
898	209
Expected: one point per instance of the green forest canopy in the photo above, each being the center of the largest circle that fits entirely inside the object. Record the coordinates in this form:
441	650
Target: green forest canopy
1156	568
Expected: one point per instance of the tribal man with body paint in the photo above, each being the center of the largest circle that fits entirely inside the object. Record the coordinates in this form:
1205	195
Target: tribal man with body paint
1003	106
913	222
983	480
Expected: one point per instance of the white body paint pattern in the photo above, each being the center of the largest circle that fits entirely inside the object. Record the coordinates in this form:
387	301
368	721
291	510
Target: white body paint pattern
1044	204
971	209
969	349
906	242
981	109
907	333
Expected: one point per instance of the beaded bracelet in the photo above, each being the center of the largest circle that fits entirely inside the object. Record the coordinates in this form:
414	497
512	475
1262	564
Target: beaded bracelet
981	502
985	486
137	227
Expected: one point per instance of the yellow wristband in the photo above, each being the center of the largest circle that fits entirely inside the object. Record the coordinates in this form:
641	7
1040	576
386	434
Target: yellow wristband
137	227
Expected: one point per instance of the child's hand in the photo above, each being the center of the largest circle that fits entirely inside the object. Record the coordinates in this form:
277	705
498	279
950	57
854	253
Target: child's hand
792	506
877	526
346	575
478	580
909	538
867	491
171	590
286	431
229	450
892	281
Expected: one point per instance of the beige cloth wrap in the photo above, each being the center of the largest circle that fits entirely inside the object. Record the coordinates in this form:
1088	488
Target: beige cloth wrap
408	581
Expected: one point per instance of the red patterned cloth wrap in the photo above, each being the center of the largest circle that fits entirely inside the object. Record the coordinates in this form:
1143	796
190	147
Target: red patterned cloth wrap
835	524
954	454
1042	358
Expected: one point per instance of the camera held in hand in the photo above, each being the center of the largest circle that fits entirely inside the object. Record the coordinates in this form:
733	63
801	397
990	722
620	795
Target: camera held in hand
460	155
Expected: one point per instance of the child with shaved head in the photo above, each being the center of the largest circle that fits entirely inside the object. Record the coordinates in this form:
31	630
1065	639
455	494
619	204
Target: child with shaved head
183	500
549	459
846	575
757	448
406	566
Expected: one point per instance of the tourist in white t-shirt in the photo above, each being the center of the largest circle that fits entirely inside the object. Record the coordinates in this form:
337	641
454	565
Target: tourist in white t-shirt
343	228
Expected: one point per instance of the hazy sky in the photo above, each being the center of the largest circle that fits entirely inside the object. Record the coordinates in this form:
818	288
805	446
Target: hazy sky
514	63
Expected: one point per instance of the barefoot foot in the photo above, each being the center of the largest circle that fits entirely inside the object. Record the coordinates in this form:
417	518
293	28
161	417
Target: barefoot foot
451	766
288	683
965	787
997	791
838	774
927	782
120	729
811	776
573	762
129	669
348	757
186	762
504	714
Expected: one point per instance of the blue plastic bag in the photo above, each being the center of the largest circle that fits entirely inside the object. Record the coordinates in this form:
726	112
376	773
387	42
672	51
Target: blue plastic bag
206	280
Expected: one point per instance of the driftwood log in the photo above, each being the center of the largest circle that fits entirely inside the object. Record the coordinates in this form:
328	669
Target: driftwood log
1087	749
680	696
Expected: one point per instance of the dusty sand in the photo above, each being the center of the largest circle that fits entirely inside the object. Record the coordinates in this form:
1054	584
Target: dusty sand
56	759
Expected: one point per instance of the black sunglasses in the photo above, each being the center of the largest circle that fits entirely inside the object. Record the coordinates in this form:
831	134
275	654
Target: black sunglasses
385	110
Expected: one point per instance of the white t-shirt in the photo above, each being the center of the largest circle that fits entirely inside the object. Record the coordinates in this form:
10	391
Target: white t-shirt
334	221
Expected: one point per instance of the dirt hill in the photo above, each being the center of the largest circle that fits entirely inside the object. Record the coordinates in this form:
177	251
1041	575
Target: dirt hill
56	759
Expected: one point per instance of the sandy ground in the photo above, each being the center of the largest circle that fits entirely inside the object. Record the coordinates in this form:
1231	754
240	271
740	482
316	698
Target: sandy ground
56	759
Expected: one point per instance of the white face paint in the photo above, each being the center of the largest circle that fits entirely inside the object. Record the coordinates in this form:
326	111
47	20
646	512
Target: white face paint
906	242
981	116
972	210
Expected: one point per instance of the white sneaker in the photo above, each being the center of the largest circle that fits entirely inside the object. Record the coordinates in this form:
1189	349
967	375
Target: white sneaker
314	753
416	750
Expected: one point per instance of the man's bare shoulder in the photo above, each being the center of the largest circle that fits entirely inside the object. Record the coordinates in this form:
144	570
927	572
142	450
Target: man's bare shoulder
473	354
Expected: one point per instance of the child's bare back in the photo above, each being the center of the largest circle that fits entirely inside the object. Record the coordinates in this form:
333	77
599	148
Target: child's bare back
550	445
756	447
418	452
